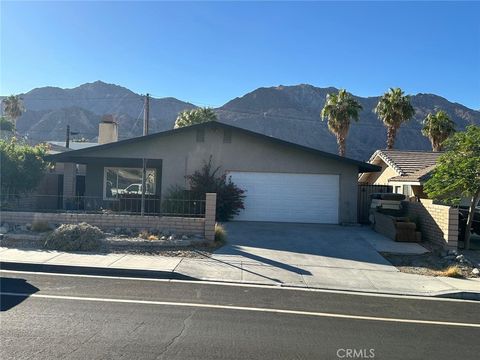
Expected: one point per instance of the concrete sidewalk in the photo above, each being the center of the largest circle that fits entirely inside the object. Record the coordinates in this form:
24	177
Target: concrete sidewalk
324	277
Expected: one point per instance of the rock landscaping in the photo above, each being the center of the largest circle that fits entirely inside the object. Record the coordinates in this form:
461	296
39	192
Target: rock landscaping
436	263
84	237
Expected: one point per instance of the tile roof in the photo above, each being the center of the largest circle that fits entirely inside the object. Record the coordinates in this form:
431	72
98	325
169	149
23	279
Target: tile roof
417	176
407	162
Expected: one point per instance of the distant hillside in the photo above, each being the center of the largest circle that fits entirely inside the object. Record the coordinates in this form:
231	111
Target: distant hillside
51	109
287	112
292	113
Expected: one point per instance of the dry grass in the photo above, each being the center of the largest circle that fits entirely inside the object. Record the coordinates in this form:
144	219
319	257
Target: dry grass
144	234
220	234
452	271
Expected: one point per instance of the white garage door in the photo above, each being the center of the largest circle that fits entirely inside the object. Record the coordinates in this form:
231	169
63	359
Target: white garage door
308	198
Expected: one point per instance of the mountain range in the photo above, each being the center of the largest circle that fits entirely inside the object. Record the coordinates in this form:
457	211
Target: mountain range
287	112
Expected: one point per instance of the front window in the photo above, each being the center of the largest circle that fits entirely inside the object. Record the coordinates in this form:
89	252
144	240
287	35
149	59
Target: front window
125	182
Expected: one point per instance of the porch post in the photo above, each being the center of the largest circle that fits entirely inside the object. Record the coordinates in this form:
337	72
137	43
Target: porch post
210	212
69	183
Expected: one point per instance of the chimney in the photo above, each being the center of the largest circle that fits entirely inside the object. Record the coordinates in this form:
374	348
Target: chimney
107	130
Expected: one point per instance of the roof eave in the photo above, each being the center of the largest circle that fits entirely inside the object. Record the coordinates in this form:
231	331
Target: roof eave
64	157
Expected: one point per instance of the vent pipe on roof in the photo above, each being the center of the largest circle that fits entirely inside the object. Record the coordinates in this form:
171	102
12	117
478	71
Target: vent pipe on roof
107	130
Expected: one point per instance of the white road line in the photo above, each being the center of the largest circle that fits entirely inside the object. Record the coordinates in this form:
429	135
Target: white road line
246	285
244	308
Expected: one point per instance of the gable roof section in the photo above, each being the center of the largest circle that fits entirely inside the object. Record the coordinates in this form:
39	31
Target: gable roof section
421	175
407	162
67	156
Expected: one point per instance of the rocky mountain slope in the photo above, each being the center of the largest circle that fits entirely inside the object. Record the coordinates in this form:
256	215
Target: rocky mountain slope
292	113
51	109
287	112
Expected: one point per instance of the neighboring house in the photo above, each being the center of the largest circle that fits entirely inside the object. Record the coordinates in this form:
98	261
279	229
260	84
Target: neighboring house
49	193
405	171
284	182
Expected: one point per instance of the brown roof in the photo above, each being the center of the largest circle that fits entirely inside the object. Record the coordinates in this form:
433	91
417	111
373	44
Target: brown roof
407	162
417	176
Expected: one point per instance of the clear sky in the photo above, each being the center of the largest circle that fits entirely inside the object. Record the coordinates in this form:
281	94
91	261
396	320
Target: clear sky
210	52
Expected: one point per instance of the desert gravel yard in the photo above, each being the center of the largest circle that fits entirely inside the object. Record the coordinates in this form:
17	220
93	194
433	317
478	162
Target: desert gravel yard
117	244
465	264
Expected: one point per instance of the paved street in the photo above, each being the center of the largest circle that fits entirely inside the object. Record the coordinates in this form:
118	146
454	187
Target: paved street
78	317
296	255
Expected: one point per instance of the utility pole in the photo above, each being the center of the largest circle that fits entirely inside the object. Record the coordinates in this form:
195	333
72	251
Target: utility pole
67	141
146	116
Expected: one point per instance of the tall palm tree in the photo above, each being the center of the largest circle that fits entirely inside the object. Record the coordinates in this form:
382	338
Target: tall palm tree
13	109
394	109
438	127
339	109
195	116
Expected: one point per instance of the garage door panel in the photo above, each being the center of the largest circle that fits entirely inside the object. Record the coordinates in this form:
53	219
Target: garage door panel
289	197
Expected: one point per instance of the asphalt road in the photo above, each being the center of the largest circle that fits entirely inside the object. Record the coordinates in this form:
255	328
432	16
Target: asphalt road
76	317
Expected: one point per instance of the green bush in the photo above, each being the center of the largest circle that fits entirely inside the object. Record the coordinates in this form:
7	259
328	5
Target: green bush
75	237
229	196
40	226
22	167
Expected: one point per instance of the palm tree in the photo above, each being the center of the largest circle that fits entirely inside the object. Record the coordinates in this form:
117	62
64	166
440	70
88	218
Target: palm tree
195	116
394	109
339	109
13	109
438	128
5	124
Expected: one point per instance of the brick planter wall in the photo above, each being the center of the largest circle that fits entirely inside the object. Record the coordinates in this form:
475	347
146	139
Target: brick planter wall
438	223
204	227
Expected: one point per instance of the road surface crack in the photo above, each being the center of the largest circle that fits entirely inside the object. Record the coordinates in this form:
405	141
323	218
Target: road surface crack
174	339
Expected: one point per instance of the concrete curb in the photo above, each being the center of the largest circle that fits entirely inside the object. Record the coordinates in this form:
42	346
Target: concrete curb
172	275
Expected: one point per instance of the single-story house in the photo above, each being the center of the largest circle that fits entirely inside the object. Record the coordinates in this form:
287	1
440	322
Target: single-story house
405	171
284	181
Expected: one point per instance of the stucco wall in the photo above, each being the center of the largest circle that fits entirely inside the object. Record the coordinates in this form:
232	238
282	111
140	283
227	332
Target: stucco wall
385	175
181	155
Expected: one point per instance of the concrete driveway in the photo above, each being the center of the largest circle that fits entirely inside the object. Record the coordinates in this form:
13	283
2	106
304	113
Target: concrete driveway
289	253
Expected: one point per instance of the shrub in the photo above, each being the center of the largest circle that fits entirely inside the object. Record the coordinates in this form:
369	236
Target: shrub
453	271
229	196
22	167
75	237
144	234
40	226
178	201
220	234
148	235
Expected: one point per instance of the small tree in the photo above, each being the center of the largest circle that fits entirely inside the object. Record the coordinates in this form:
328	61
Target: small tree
339	109
438	127
229	196
457	174
195	116
22	167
